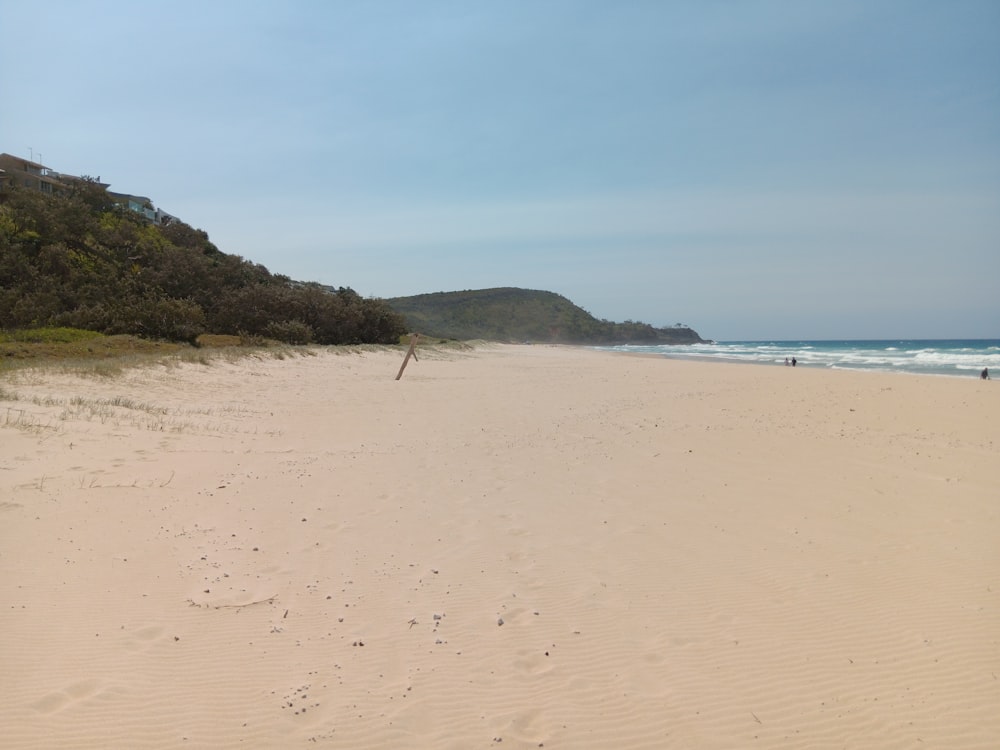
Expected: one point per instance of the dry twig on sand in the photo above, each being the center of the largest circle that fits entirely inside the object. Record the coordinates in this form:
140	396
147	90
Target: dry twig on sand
268	600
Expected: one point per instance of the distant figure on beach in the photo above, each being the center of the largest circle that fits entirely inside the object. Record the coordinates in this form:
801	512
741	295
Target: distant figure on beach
787	362
985	374
794	361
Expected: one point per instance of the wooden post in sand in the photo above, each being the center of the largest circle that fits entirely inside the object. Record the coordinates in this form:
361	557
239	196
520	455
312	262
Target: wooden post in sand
411	353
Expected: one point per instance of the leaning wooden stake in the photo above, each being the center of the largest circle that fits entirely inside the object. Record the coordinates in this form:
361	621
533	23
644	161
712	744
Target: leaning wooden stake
411	353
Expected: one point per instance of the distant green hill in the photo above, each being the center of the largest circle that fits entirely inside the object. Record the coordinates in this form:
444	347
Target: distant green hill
510	314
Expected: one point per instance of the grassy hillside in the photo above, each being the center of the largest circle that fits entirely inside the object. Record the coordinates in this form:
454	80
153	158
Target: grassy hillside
509	314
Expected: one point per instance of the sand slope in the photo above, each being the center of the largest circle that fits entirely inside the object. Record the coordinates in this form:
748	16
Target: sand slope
532	546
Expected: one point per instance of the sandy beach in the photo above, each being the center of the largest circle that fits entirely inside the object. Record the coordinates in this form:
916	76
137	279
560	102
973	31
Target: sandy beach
511	546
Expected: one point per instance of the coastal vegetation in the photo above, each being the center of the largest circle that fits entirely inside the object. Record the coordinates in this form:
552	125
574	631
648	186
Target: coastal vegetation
92	354
81	275
77	260
511	314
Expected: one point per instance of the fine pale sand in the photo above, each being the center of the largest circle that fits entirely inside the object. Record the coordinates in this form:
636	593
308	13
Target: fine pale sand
528	545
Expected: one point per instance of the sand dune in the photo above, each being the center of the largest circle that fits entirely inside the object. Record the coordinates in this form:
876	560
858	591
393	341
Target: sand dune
512	546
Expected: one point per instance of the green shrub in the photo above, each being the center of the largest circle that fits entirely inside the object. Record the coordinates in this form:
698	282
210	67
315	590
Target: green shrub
289	332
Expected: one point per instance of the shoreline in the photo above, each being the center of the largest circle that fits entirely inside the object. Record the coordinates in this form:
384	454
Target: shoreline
539	545
829	357
972	375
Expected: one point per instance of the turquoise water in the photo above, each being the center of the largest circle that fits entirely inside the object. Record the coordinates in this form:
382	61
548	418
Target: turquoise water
955	357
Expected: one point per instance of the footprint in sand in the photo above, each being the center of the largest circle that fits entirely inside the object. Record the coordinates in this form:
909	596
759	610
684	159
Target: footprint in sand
143	637
60	699
534	662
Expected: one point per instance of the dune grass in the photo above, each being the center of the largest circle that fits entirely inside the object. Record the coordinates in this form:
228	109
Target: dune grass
88	353
37	346
92	353
26	357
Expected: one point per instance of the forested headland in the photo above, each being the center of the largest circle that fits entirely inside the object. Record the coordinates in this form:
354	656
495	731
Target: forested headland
77	259
512	314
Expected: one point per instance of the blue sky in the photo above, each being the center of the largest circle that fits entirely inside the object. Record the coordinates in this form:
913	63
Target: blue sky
758	169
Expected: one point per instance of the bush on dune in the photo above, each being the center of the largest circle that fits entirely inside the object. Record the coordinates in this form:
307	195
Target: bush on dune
76	259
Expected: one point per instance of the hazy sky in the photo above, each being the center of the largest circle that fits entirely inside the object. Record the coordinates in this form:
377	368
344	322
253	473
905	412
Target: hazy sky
758	169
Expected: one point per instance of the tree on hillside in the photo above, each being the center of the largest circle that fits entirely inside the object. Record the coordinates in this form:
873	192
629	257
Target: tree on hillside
78	259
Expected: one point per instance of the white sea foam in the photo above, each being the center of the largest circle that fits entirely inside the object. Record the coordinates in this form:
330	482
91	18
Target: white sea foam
946	357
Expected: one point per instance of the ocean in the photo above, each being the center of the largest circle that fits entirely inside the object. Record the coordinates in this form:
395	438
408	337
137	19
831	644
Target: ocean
953	357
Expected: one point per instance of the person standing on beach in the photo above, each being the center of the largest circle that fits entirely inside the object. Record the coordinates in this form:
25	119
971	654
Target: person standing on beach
985	374
794	361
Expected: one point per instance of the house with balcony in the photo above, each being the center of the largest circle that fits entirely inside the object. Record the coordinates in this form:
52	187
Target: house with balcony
24	174
20	173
